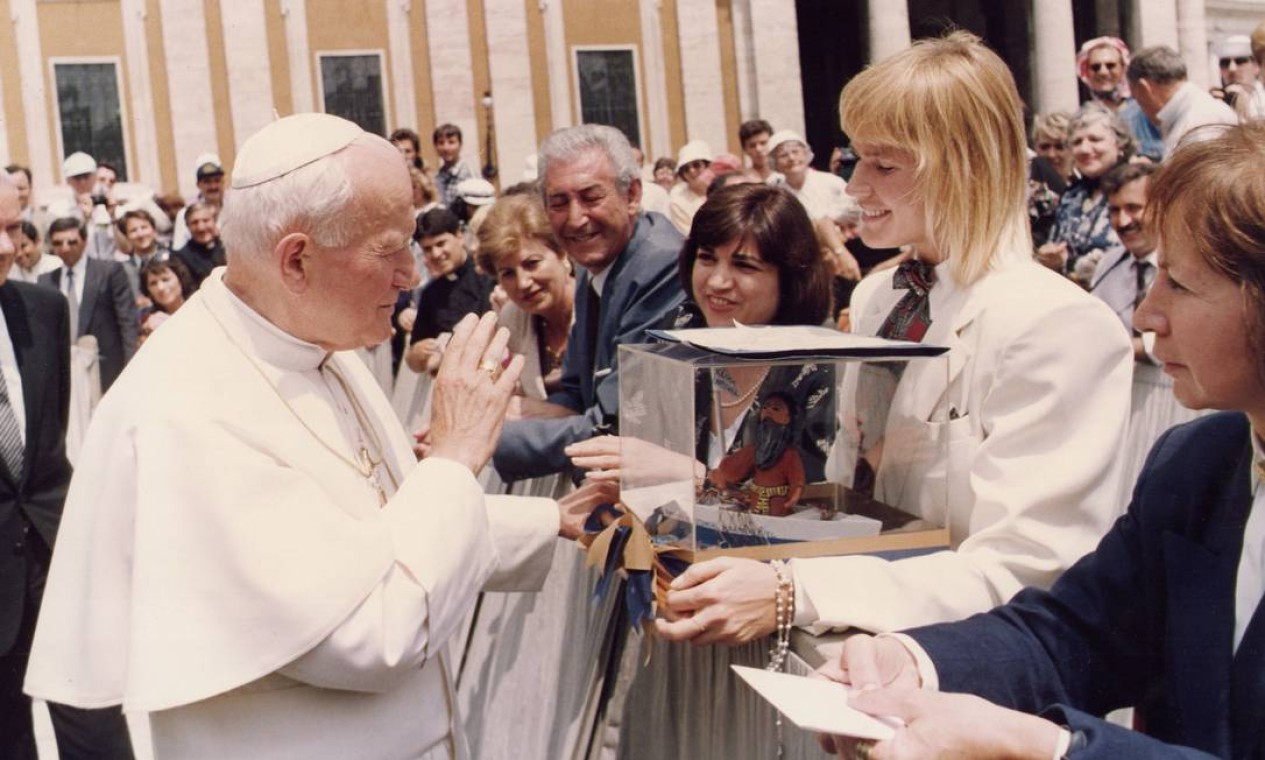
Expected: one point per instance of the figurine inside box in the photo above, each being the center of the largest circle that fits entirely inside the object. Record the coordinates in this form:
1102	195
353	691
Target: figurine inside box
785	441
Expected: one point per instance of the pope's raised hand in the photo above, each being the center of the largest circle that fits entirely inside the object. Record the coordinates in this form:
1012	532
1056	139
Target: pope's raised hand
471	392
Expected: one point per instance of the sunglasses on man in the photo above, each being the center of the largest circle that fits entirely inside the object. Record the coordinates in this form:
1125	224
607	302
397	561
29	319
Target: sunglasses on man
1238	60
1108	65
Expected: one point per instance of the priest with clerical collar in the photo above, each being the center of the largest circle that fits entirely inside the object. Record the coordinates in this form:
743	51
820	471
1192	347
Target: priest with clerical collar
254	556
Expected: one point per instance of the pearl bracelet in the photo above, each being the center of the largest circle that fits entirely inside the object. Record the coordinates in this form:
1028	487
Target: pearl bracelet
784	608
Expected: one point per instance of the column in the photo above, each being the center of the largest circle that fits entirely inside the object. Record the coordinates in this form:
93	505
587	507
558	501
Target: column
189	87
745	61
295	14
556	58
1192	34
889	28
45	166
140	111
249	68
775	37
658	141
452	74
700	72
513	106
1054	56
400	53
1156	22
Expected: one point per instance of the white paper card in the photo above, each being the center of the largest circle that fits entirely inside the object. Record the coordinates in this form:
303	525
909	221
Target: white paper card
815	704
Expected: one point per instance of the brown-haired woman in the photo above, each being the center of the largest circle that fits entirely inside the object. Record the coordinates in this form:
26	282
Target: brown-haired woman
517	247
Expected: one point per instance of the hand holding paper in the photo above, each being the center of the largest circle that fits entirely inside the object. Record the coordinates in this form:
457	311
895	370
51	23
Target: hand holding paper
815	704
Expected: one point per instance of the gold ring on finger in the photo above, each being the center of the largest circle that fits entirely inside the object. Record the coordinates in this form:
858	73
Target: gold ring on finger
490	367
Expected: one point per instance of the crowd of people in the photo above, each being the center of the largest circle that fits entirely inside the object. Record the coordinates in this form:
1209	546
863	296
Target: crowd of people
1129	231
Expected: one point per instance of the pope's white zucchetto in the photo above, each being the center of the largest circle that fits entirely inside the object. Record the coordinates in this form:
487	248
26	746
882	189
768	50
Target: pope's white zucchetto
291	143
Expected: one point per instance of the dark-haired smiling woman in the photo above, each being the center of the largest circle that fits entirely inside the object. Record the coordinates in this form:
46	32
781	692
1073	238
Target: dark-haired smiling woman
751	259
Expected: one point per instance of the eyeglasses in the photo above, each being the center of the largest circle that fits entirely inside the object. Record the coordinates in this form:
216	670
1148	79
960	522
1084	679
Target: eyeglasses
1108	65
1238	60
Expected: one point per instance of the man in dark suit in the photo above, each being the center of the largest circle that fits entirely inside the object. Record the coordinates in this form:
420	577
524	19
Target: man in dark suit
34	474
106	309
627	283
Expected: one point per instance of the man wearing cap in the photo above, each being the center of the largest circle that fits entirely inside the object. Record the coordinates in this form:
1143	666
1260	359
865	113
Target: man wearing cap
1238	58
690	192
91	202
210	178
626	283
254	556
823	195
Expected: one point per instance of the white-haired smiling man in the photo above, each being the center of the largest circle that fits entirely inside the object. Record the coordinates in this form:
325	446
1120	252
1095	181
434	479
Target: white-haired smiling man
254	556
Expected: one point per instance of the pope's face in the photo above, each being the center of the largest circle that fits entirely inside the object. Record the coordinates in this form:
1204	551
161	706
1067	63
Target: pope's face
351	291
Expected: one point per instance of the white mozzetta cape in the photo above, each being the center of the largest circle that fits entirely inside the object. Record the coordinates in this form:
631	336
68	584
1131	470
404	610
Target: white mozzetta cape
219	567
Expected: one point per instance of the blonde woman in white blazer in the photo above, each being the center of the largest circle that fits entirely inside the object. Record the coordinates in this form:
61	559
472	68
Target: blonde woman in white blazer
1039	376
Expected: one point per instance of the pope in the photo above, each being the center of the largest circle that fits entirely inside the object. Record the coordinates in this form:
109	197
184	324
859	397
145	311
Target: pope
250	551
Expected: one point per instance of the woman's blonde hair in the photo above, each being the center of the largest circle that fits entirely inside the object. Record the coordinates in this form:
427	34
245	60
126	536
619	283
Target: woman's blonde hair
952	103
510	222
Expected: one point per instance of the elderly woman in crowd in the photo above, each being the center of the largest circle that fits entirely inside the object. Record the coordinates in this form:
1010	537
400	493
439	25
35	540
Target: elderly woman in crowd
1039	372
1166	612
1050	141
1101	65
165	284
1049	172
687	196
1099	141
518	249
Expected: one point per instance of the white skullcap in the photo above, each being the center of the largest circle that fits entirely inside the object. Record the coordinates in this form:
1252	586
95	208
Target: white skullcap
291	143
1234	46
78	163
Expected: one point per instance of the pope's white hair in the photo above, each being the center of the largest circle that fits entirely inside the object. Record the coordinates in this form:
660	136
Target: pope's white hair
315	199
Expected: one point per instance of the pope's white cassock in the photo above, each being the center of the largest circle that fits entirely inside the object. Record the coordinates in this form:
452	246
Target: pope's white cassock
224	565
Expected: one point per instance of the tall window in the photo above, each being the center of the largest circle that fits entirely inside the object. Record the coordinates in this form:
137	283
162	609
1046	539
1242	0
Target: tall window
606	80
351	87
88	111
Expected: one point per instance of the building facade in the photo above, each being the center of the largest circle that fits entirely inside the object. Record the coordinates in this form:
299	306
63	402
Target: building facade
152	84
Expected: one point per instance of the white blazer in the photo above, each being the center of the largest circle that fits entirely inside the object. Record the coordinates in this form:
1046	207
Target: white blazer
1035	415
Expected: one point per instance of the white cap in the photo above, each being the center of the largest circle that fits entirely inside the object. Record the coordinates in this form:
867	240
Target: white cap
1234	46
291	143
78	163
694	150
785	136
476	192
